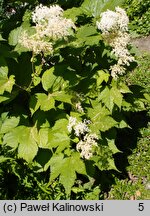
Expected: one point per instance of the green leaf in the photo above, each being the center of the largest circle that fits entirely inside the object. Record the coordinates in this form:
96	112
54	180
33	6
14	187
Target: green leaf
63	97
58	136
66	169
101	121
1	38
27	15
124	88
43	137
42	101
117	96
8	124
110	97
147	97
59	140
36	80
97	111
87	35
50	82
102	77
4	98
73	13
77	190
92	8
111	4
112	146
86	31
96	7
3	68
55	164
12	138
26	139
4	159
103	124
68	180
3	117
123	124
61	124
14	36
34	105
67	74
43	119
106	98
20	49
46	102
111	165
6	84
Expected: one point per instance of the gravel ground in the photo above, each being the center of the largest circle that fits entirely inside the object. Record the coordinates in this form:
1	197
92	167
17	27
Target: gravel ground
143	44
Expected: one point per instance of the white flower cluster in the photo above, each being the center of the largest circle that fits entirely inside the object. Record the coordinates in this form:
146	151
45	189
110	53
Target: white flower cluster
85	146
79	128
72	123
88	141
35	44
50	25
79	107
44	13
114	27
112	21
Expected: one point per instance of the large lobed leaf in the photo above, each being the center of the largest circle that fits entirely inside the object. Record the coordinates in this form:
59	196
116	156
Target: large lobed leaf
25	139
96	7
58	136
110	97
87	35
101	119
66	169
14	36
47	102
6	84
8	123
42	101
50	81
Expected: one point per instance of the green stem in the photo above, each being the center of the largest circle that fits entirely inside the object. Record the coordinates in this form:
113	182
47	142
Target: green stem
28	89
20	87
43	189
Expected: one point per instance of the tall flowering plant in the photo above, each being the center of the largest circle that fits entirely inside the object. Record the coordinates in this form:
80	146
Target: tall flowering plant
63	92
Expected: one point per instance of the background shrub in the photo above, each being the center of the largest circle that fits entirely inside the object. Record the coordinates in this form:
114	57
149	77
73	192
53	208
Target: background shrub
139	14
